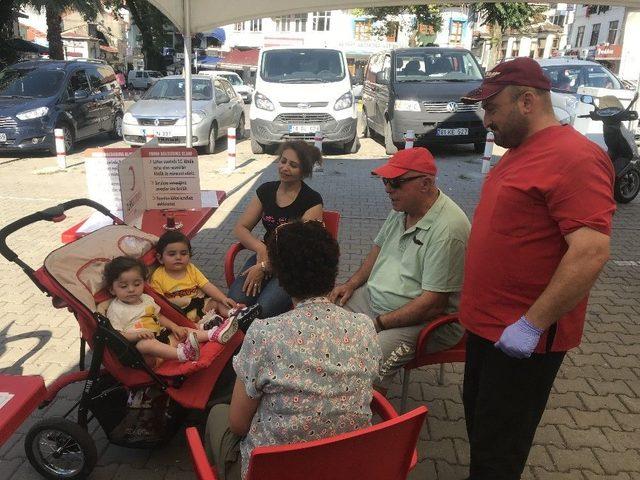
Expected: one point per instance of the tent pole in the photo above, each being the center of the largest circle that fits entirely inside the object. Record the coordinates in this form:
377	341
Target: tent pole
186	35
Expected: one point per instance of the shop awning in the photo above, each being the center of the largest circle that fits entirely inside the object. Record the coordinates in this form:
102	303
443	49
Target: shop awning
217	33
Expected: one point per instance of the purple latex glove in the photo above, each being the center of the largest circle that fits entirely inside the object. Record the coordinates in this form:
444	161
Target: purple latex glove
519	339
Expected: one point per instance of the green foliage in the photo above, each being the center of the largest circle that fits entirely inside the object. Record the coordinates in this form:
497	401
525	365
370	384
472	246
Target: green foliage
509	15
150	21
425	14
8	12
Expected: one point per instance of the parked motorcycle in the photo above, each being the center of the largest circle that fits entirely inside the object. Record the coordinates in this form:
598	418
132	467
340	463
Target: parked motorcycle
620	143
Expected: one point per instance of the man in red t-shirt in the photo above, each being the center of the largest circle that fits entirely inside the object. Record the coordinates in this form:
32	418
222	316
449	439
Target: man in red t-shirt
539	238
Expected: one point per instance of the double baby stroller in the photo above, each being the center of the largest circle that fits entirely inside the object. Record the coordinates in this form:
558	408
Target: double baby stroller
135	405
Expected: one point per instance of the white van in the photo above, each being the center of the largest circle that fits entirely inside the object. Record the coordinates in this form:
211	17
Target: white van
245	91
299	91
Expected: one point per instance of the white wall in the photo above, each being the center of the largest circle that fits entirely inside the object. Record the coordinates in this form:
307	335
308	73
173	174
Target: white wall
630	63
580	19
341	34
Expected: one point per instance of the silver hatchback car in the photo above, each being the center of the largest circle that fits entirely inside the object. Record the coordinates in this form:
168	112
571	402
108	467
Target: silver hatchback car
162	112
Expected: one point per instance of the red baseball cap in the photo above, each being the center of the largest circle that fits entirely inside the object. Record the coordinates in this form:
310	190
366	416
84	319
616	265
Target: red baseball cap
417	159
522	71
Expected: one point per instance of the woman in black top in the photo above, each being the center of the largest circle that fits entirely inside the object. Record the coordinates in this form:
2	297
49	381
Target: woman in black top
275	203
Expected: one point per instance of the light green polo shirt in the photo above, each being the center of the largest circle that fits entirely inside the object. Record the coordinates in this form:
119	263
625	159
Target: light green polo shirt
428	256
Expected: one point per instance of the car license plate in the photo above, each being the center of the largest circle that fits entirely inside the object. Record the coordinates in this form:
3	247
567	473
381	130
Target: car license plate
162	133
452	132
303	128
3	137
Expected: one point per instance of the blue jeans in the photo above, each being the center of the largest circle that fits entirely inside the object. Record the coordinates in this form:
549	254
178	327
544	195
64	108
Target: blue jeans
273	299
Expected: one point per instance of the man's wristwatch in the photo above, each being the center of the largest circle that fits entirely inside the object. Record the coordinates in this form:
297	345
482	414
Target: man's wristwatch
379	324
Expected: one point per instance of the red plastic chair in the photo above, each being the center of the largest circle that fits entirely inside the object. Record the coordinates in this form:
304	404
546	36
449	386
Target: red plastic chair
331	222
385	451
455	354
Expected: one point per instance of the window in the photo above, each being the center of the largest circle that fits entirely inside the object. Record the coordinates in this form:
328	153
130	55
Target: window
229	89
363	29
221	95
455	33
392	31
291	23
239	27
256	25
78	82
321	21
308	65
99	83
375	65
579	36
559	20
595	34
386	68
613	32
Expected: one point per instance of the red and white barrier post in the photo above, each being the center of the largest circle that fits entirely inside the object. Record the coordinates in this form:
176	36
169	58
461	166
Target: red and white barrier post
231	149
61	153
488	153
317	142
409	138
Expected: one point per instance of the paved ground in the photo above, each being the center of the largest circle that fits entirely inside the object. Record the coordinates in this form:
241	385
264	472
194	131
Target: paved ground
592	425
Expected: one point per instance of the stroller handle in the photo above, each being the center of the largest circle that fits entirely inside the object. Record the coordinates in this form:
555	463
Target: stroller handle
50	214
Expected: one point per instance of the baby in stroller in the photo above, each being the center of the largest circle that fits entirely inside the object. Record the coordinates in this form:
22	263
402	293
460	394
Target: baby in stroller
137	316
180	282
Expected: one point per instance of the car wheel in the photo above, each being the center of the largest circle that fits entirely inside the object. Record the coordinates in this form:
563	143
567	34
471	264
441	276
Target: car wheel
478	147
116	133
352	146
364	124
69	141
240	128
213	136
389	146
256	147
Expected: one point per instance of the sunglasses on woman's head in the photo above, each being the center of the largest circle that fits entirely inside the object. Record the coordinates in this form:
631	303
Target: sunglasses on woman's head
396	183
275	231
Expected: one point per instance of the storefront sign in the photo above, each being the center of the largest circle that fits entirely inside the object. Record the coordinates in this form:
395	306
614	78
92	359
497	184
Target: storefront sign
608	52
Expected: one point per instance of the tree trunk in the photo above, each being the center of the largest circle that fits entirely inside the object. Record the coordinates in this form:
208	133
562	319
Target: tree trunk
496	45
54	32
153	60
7	17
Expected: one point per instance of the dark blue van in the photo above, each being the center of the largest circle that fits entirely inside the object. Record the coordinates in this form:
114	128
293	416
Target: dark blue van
419	89
82	97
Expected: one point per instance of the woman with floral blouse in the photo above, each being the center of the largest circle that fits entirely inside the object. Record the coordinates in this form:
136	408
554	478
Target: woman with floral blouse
304	375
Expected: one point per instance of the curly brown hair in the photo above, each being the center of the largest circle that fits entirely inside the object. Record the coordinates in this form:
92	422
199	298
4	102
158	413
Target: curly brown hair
304	258
307	154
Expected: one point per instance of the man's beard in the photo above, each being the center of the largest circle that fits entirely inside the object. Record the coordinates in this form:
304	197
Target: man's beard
513	132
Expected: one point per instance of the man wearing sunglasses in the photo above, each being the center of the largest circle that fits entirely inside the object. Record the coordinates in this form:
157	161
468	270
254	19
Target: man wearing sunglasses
413	272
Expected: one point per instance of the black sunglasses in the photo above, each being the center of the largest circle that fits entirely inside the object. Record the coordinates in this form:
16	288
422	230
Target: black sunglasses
396	183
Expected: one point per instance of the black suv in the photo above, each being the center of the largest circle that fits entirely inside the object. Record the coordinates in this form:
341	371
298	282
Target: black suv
82	97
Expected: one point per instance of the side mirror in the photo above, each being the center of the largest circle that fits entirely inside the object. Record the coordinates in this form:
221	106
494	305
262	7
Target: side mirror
380	78
136	97
483	70
80	95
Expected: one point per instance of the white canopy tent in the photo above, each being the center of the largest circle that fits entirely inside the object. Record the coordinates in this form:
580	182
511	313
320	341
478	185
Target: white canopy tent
193	16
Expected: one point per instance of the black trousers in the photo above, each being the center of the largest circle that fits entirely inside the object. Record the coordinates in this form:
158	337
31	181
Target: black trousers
504	399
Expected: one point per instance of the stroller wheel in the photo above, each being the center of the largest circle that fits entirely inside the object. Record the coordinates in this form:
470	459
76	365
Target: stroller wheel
60	449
